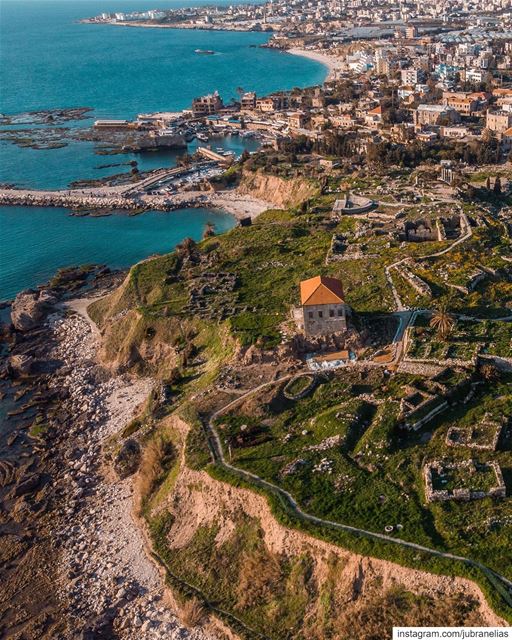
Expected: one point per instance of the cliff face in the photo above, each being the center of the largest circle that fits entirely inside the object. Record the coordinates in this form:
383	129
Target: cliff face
226	540
280	191
131	339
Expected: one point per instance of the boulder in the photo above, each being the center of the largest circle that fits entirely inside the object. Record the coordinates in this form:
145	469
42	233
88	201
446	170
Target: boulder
127	460
20	365
28	485
29	308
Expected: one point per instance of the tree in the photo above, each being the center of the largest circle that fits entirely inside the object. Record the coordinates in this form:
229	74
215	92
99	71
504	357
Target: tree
442	321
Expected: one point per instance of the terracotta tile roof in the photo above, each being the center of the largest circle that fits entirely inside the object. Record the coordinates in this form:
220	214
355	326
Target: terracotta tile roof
321	290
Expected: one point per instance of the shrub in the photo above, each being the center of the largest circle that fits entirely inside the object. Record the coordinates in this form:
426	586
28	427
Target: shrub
192	613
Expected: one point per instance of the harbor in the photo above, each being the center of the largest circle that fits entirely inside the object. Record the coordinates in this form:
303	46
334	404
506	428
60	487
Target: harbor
165	190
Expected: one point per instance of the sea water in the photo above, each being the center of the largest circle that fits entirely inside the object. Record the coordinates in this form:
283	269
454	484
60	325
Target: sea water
50	60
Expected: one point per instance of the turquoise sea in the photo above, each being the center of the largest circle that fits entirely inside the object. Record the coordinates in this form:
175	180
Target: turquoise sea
51	238
49	60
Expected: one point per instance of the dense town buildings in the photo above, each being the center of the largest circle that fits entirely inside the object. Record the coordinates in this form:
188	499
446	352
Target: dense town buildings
401	74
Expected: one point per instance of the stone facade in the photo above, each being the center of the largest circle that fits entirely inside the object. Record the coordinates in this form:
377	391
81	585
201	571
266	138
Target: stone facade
323	319
323	311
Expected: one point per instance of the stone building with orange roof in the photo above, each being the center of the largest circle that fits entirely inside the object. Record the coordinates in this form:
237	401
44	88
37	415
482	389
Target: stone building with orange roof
323	309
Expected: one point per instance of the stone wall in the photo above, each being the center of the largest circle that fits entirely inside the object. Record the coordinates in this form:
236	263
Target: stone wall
463	493
324	319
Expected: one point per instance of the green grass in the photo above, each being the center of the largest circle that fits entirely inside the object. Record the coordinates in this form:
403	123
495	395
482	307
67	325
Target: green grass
375	475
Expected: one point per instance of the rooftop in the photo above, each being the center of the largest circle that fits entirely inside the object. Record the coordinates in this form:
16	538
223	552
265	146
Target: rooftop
321	290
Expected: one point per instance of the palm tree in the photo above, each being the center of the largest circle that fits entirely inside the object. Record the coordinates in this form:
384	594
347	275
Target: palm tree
442	321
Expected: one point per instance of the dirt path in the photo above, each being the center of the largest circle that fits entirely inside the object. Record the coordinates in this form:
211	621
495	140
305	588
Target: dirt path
498	581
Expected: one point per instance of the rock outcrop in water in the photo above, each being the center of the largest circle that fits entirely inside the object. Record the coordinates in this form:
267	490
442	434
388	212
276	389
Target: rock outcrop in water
29	308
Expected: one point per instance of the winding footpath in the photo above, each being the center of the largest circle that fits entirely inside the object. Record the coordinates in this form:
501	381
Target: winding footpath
498	581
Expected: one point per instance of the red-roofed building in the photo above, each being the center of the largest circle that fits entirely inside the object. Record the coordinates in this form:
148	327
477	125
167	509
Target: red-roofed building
324	310
374	116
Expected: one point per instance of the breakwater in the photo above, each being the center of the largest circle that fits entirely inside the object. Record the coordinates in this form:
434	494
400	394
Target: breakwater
65	200
98	202
72	201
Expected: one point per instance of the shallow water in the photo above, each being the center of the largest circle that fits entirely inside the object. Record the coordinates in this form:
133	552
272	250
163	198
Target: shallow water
36	241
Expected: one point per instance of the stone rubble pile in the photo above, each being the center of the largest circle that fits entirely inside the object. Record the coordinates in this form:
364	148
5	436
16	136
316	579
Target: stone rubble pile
106	579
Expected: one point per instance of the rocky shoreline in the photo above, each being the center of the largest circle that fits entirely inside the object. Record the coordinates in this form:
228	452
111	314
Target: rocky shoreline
74	562
237	204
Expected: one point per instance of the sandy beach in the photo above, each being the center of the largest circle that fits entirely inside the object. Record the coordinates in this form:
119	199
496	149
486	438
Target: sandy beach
333	64
111	198
237	204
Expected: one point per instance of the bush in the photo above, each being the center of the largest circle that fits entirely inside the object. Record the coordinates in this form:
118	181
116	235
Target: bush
192	613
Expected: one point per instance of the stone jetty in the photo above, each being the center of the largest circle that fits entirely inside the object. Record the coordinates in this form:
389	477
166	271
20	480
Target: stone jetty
133	197
79	200
108	202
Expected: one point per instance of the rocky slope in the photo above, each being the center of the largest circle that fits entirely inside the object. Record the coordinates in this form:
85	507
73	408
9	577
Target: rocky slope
358	588
106	577
74	559
282	193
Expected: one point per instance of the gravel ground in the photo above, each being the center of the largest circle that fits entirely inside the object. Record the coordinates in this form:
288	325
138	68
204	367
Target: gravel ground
111	587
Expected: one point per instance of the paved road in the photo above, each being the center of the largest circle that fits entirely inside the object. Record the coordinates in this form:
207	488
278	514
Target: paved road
501	583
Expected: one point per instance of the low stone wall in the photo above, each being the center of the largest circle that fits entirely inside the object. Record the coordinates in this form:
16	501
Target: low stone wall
466	494
419	285
503	364
301	394
414	426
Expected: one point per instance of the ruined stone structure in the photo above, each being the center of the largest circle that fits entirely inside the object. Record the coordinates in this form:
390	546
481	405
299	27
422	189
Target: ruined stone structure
484	435
435	471
323	309
433	230
352	204
419	285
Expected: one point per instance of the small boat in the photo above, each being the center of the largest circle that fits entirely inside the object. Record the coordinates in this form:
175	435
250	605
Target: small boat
207	52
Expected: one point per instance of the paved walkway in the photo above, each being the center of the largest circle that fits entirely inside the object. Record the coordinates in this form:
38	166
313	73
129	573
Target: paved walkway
499	582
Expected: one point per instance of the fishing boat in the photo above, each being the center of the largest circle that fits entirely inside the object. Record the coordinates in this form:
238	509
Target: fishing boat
207	52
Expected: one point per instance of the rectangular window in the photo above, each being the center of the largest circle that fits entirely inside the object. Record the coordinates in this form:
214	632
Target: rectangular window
340	313
331	313
310	314
320	314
